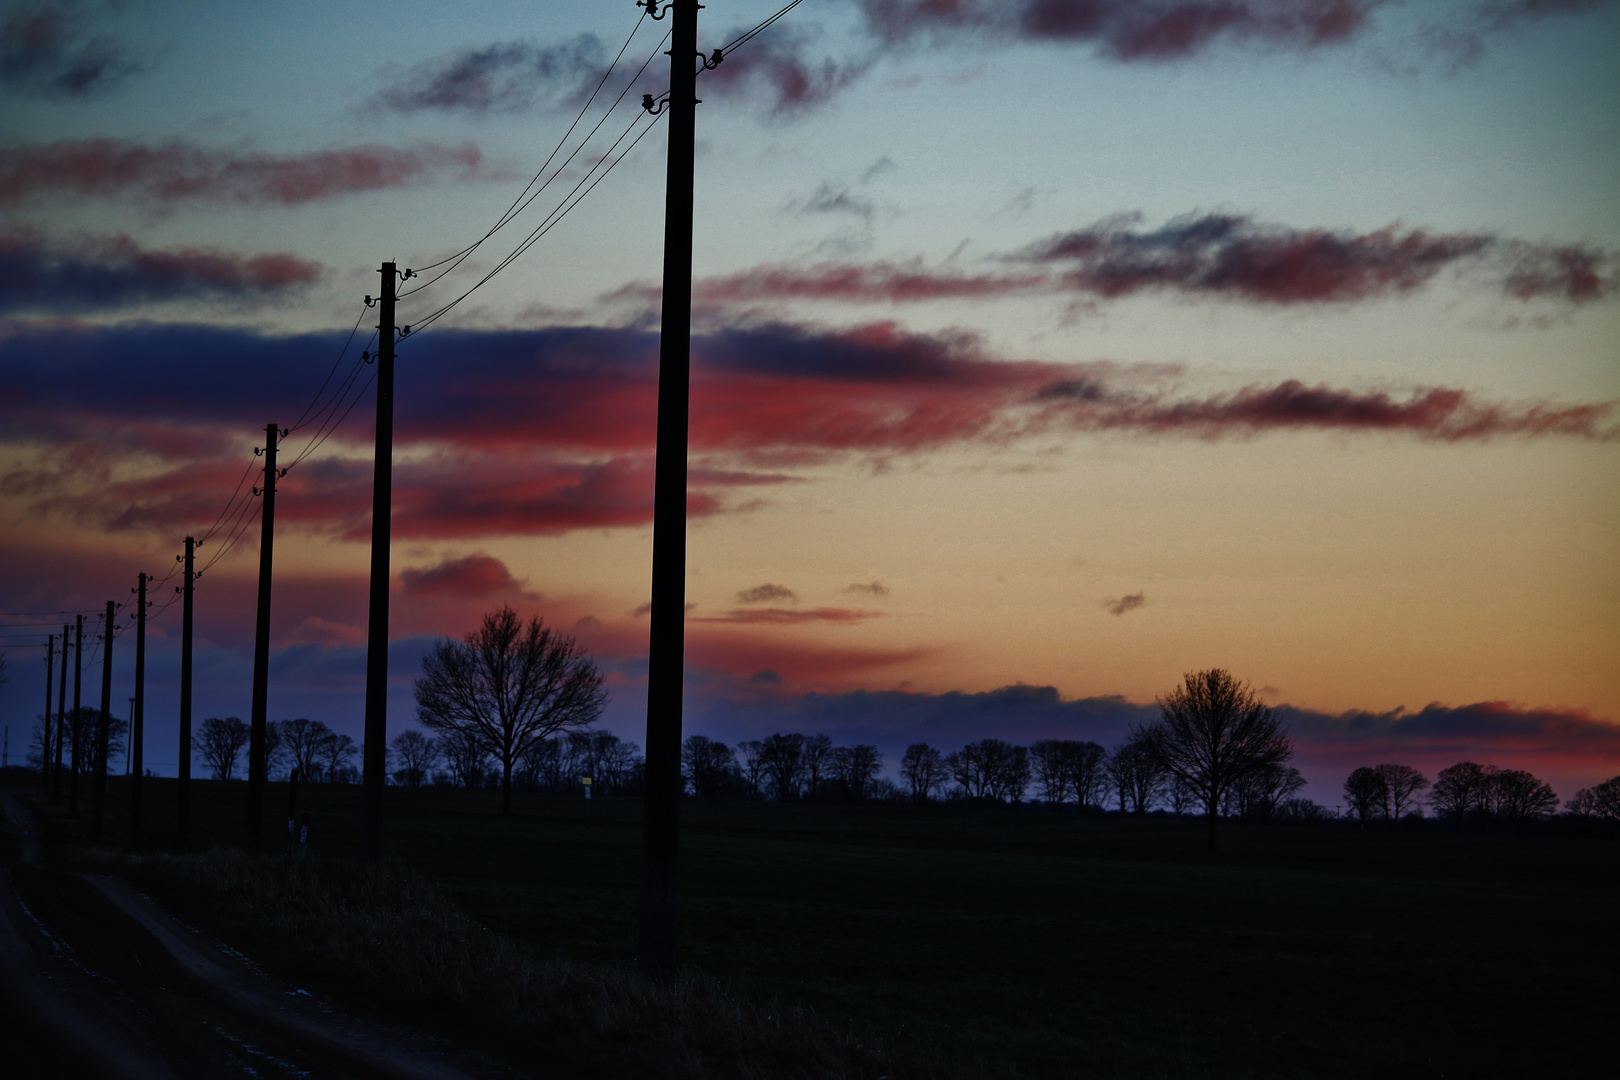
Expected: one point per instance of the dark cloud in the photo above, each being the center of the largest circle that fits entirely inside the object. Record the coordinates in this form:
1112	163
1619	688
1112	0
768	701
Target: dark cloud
513	76
111	272
545	431
789	616
874	588
48	51
165	175
765	594
1232	256
472	576
1229	257
777	69
1125	603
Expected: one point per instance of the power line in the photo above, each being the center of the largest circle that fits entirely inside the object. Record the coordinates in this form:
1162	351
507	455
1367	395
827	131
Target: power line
552	219
514	209
341	354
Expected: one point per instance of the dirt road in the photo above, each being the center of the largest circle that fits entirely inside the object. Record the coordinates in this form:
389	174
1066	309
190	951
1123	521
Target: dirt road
97	981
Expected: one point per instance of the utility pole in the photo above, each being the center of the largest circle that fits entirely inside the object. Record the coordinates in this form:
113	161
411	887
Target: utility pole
182	810
50	677
261	640
137	720
374	750
61	720
661	806
75	724
100	804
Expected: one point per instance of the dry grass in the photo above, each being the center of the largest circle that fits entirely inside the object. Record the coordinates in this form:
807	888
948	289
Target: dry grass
385	930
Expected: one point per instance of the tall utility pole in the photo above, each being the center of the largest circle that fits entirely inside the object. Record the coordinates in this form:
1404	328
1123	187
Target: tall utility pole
61	719
182	810
137	720
261	640
75	725
100	812
50	676
661	806
374	749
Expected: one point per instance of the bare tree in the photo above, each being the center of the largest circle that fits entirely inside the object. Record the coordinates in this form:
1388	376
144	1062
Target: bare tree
1517	796
1599	801
510	684
816	754
1049	760
414	757
753	765
924	771
782	757
856	768
337	754
1459	789
1213	732
709	765
464	754
304	739
1260	793
991	769
1401	786
1366	794
1137	775
220	743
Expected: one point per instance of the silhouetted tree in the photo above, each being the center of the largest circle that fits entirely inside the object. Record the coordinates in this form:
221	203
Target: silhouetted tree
509	684
464	755
1599	801
991	769
816	757
924	771
304	741
1302	811
220	743
782	759
1366	794
1137	775
1067	767
1213	732
608	760
1515	796
855	769
1401	786
414	757
337	758
709	765
1459	789
1257	796
753	766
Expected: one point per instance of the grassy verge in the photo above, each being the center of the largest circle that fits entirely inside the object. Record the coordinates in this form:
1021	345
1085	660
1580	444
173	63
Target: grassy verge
1044	945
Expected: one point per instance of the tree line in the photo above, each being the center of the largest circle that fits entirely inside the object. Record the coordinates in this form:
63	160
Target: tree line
1469	792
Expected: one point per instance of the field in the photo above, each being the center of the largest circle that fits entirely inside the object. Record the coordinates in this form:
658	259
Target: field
1025	943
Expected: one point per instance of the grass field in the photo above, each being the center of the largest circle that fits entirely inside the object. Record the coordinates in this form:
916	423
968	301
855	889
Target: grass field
1050	945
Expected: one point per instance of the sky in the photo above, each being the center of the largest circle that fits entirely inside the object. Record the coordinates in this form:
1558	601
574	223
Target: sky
1043	351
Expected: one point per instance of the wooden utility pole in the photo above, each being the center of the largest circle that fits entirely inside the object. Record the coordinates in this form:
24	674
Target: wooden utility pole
61	719
182	810
661	806
261	640
50	675
99	814
374	749
137	720
75	725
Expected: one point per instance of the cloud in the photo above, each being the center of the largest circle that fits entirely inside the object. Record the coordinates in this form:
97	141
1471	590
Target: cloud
1227	257
47	51
764	594
790	616
541	432
174	172
1231	256
1125	603
506	77
470	577
875	588
776	66
111	272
